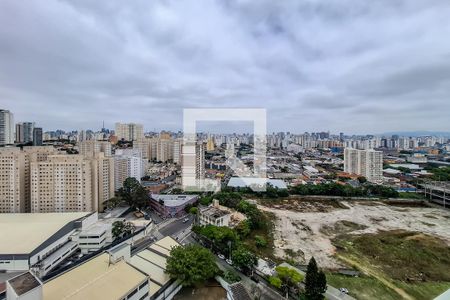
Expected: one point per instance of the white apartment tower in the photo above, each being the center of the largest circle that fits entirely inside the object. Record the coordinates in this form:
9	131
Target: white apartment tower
128	163
177	151
367	163
129	132
6	127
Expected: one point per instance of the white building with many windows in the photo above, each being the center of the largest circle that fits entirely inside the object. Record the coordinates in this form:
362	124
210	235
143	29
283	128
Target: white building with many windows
367	163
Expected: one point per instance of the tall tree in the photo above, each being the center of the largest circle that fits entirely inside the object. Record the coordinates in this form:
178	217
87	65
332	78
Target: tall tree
243	258
315	282
133	193
192	265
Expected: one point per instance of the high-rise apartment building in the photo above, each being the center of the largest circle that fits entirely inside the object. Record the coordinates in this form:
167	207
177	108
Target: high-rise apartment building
152	148
128	163
92	147
367	163
105	179
19	133
164	152
37	136
15	176
6	127
200	160
177	151
64	183
129	132
24	132
193	166
210	146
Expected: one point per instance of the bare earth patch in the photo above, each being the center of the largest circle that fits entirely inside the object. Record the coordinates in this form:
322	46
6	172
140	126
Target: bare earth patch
310	232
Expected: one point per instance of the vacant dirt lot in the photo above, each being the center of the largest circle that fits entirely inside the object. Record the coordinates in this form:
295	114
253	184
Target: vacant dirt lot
300	235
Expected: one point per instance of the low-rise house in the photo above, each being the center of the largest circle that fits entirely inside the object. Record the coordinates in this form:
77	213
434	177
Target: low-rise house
213	215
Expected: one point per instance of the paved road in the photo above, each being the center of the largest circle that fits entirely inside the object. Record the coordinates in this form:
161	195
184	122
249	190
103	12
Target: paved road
260	288
177	226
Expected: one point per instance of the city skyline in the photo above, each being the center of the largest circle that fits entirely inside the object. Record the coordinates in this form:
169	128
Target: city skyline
344	66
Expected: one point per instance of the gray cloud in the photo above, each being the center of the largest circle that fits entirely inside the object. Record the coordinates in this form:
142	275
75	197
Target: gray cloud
342	65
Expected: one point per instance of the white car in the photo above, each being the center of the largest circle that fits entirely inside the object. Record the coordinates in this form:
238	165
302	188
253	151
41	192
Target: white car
229	261
343	290
221	256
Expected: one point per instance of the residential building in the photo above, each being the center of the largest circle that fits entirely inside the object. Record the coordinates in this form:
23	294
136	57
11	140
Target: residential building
210	146
213	215
128	163
105	179
367	163
6	127
165	149
93	147
15	184
177	151
37	136
129	132
64	183
193	167
28	128
19	133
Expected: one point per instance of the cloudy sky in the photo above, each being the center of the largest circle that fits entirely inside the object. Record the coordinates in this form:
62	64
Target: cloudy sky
340	65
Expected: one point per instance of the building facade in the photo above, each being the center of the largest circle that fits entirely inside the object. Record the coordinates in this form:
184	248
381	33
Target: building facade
129	132
64	183
128	163
367	163
15	176
6	127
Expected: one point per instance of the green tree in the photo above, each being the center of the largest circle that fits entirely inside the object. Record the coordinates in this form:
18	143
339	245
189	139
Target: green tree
275	281
220	236
192	265
133	193
315	282
243	229
286	278
243	258
362	179
193	210
121	229
113	202
260	241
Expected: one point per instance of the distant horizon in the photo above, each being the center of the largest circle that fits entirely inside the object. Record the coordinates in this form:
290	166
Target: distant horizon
350	66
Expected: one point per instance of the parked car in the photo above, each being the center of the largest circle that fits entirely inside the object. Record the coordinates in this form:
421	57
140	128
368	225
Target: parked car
221	256
229	261
185	220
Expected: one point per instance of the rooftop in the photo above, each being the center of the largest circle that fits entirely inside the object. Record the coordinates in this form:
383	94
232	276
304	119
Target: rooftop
173	200
24	283
214	212
248	181
95	279
152	261
22	233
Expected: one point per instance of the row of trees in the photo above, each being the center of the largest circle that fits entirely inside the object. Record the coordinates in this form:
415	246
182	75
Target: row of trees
288	280
335	189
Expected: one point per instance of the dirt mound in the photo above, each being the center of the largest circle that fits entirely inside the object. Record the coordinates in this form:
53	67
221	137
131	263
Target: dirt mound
341	227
